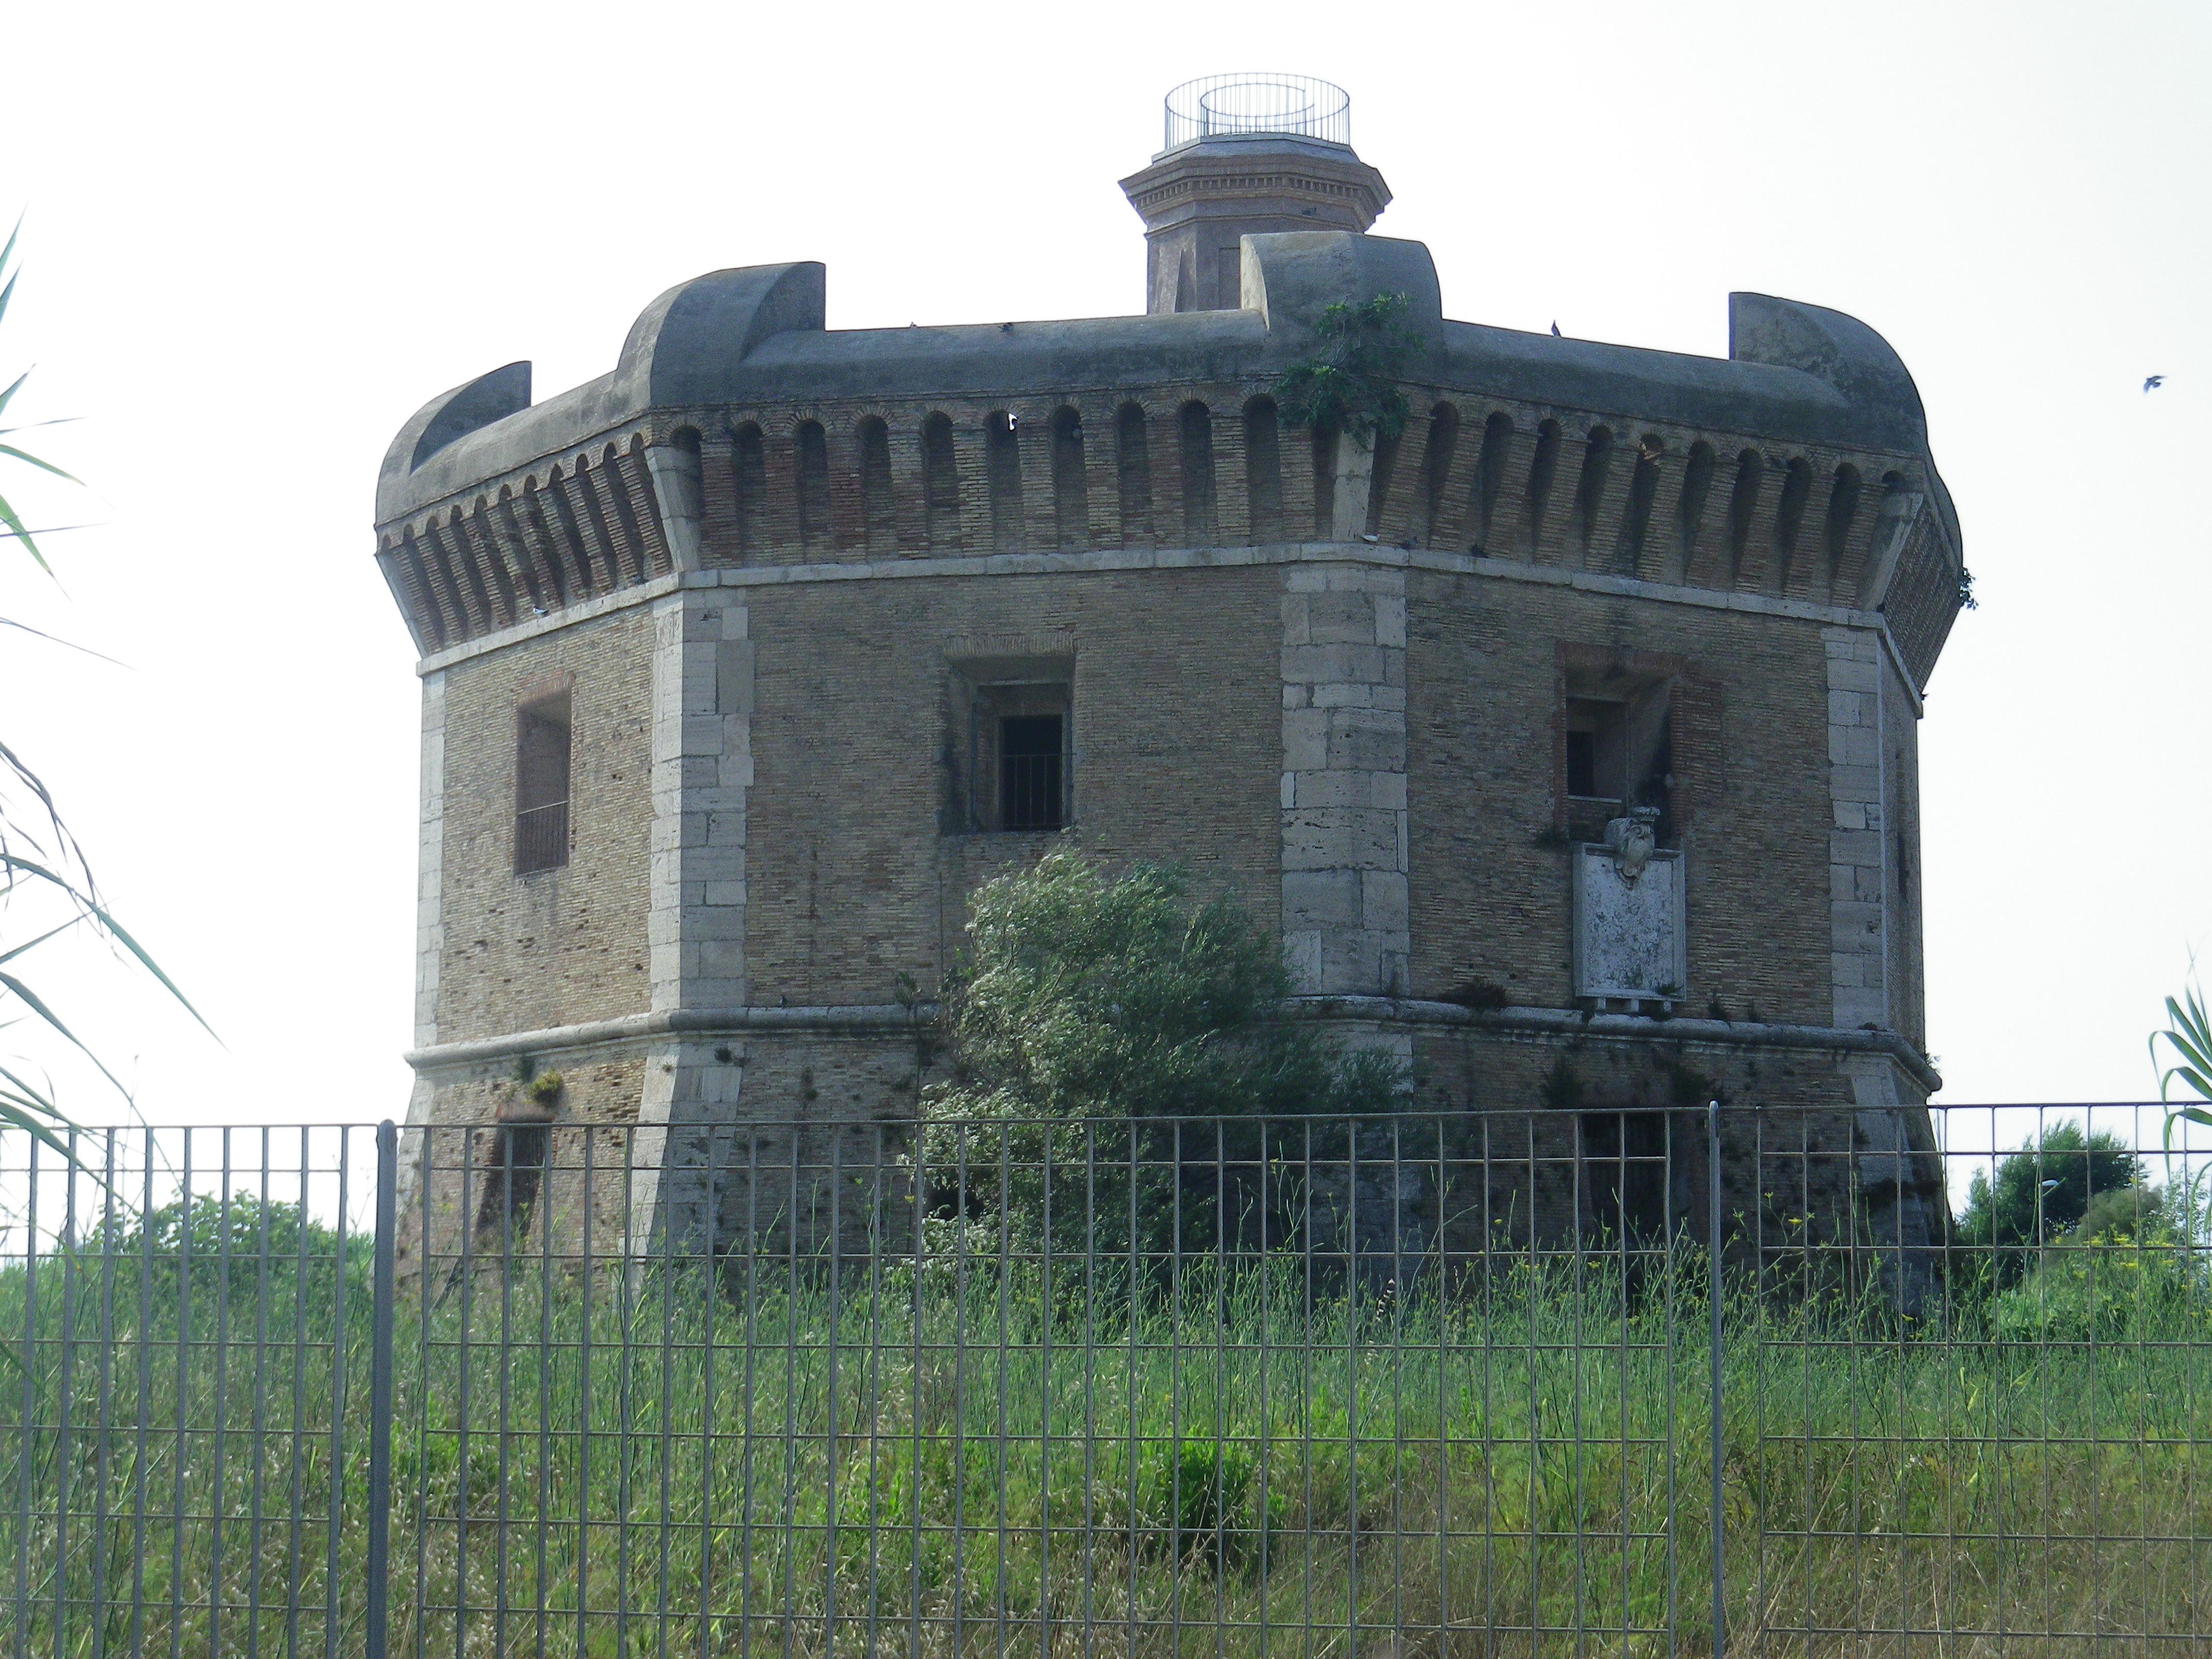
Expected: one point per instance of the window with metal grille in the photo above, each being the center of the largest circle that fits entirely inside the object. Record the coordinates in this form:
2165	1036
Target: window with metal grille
1031	768
541	784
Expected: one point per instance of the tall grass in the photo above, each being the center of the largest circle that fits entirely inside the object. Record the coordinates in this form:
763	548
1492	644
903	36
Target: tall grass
989	1454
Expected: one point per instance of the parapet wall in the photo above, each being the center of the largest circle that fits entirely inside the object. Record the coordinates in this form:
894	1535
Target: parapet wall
753	436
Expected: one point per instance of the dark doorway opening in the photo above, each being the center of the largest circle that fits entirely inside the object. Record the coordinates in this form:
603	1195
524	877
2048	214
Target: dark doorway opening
1626	1171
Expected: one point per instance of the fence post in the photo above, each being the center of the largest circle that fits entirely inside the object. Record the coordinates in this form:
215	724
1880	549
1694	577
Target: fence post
380	1391
1713	1300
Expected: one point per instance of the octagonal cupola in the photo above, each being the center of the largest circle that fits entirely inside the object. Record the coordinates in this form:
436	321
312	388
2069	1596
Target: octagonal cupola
1245	155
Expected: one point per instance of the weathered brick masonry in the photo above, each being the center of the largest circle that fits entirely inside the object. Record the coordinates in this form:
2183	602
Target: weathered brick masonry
789	596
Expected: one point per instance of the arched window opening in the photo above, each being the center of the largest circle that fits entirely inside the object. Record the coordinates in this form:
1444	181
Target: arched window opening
814	534
1842	509
1543	470
749	462
1436	470
1789	515
940	482
1071	499
1697	485
1263	469
1196	426
1589	487
1002	475
1743	504
878	506
1643	489
1133	469
1490	475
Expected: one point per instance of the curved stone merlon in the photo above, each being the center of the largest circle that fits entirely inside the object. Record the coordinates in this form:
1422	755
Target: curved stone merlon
754	336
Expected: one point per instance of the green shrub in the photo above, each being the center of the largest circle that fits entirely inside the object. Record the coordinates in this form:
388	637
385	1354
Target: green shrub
2108	1285
1090	999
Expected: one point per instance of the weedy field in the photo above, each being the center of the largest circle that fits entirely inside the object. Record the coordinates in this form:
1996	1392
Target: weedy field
982	1453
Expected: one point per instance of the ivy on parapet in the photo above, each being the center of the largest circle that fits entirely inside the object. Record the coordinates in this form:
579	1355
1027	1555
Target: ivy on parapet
1351	382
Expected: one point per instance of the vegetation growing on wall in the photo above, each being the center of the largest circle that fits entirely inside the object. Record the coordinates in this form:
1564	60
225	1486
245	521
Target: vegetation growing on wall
1350	384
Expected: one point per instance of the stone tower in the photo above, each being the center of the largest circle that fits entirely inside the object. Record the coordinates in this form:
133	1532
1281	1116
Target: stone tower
1569	736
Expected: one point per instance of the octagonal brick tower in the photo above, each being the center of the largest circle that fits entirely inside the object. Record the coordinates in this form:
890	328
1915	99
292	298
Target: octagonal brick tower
1569	737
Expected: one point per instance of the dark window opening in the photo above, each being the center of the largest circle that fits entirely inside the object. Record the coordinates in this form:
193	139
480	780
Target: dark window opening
1582	763
1627	1175
541	786
1013	752
1032	752
1619	752
1597	750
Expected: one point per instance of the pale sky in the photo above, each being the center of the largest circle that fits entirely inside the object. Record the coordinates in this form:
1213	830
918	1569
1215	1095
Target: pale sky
258	237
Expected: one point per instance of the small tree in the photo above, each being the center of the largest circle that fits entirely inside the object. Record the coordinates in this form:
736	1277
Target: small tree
1351	382
1117	1045
2038	1194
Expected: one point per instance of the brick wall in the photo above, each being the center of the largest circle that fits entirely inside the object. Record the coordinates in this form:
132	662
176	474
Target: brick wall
1491	886
564	945
1176	754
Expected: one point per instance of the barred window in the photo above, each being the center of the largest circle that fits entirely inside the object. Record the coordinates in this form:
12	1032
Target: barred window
1031	748
541	784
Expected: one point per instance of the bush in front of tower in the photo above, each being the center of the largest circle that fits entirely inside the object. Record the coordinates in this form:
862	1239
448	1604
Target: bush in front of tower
1126	1080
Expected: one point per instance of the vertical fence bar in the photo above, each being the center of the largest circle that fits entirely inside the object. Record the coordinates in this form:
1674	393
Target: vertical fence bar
1713	1296
377	1606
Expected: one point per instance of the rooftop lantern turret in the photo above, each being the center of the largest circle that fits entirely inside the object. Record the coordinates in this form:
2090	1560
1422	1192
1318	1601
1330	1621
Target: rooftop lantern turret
1246	155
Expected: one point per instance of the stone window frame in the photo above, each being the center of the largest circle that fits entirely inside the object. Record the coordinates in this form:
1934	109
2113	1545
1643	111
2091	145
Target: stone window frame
535	851
990	680
1692	704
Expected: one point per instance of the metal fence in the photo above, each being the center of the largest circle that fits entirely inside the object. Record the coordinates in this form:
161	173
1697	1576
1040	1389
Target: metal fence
1593	1383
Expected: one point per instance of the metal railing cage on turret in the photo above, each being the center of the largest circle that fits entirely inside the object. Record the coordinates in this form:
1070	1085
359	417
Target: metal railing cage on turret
1258	100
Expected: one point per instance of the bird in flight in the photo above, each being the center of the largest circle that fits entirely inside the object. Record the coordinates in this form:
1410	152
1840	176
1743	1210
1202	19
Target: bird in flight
2152	382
